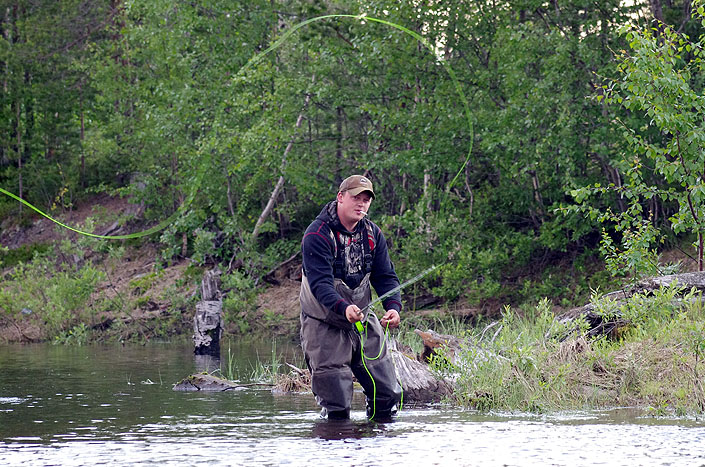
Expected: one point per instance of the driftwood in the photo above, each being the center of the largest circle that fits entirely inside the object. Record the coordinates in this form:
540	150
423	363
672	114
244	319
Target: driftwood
208	320
419	384
688	280
600	324
208	383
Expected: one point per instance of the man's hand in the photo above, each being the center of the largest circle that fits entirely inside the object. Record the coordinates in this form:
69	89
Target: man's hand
391	318
353	313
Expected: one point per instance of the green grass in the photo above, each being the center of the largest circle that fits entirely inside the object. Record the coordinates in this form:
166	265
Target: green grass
655	362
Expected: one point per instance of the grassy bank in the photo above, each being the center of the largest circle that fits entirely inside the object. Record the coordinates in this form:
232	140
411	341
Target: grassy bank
76	291
79	291
529	361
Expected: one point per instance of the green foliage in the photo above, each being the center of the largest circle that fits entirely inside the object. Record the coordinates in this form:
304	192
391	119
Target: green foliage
77	335
55	299
238	301
178	123
203	248
21	254
661	79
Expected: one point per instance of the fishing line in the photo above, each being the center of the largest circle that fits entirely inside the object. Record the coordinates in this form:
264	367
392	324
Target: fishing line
253	61
362	330
160	226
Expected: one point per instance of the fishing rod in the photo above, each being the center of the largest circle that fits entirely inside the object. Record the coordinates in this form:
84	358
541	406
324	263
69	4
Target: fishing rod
418	277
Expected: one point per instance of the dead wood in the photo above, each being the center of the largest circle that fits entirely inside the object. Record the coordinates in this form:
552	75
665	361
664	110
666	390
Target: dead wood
208	320
612	324
416	379
287	269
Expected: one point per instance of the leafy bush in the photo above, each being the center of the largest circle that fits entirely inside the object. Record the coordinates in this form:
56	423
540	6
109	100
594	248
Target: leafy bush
21	254
239	300
56	299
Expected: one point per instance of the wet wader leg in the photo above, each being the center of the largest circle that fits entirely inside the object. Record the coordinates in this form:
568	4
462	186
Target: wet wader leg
385	387
328	351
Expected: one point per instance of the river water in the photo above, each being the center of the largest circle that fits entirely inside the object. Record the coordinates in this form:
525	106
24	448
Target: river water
104	405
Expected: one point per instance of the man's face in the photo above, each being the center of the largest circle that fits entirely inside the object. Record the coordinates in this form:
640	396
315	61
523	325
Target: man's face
351	209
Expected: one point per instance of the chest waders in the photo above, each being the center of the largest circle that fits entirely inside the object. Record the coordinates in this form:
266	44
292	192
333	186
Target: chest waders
333	349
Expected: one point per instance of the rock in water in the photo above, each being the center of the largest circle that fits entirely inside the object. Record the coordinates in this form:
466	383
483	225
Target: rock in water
204	382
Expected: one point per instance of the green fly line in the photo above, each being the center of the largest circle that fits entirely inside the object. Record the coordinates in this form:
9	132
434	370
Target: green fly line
362	330
254	60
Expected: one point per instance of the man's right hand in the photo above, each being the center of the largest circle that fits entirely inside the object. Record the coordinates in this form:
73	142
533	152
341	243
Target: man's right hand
353	313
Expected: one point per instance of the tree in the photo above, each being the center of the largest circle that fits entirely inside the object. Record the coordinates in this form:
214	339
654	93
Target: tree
662	78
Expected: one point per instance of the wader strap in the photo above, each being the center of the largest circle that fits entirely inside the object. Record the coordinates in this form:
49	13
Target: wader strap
360	296
367	246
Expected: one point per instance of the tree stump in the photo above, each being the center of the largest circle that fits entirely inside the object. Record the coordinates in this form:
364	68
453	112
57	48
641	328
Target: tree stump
208	320
419	384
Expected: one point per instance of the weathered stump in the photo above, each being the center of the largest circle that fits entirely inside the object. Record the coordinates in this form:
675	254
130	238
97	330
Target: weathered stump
208	320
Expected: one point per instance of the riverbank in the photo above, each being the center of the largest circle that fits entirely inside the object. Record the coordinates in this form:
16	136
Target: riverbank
68	289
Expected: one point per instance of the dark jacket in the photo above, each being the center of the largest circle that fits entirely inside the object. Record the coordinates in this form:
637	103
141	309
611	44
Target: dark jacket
319	252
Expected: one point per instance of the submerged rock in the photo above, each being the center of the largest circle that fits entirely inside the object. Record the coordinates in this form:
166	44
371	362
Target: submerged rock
205	382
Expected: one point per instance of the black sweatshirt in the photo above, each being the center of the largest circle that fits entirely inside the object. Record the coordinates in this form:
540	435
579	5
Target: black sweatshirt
318	251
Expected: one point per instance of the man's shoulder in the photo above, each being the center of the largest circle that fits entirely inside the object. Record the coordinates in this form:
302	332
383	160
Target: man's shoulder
318	225
318	230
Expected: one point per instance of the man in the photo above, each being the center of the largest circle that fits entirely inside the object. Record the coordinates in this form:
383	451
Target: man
344	254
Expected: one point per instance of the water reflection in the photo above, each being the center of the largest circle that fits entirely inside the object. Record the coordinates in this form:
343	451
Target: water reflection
346	429
206	363
92	405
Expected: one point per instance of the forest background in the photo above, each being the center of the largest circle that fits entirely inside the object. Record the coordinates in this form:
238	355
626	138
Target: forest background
579	164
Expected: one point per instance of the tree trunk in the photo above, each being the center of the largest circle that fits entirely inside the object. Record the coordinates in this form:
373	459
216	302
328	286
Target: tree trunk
280	183
19	152
82	175
656	9
231	208
339	128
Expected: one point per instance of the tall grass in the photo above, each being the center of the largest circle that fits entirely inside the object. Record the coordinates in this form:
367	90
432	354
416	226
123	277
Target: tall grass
263	371
525	362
